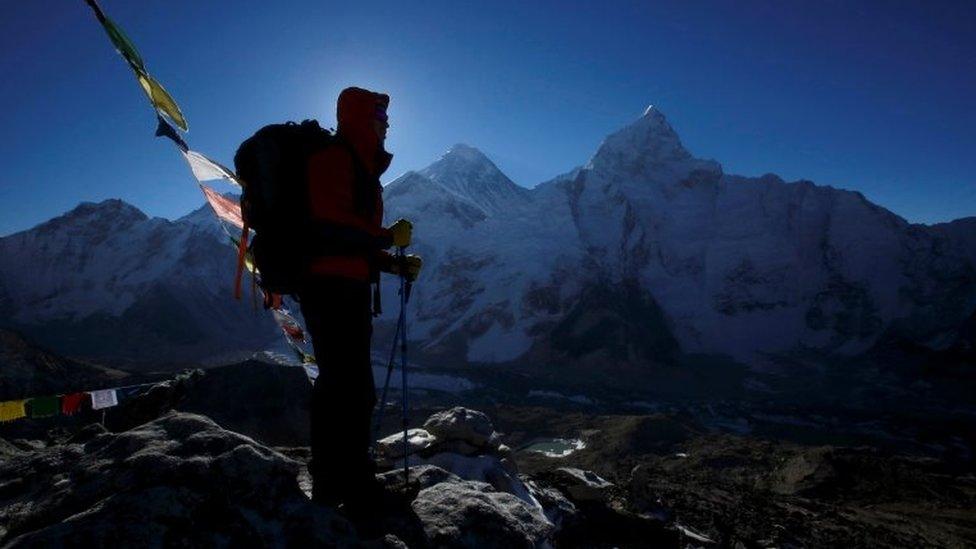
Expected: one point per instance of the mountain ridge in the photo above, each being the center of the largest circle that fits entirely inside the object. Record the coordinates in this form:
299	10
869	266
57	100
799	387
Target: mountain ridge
733	263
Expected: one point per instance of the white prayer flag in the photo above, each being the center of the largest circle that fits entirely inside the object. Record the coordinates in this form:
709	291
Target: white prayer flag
104	399
312	371
205	169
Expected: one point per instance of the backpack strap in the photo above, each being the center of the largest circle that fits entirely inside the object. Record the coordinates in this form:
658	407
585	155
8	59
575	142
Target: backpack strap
362	181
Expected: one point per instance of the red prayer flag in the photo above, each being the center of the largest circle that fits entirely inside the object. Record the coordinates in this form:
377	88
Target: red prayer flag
225	208
70	404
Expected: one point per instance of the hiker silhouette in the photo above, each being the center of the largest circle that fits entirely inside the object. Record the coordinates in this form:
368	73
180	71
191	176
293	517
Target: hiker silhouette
346	207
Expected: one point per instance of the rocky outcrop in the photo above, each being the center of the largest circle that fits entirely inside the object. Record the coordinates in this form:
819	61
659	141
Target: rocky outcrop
181	479
178	480
461	424
579	484
472	514
464	442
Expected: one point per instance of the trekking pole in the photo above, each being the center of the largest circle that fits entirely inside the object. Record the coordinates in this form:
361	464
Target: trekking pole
386	384
404	289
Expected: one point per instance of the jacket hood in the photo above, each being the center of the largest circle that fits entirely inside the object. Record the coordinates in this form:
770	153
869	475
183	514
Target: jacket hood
355	112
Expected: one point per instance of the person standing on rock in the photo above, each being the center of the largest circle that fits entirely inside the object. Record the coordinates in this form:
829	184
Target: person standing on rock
346	203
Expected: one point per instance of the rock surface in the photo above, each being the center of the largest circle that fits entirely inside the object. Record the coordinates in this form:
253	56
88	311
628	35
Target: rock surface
181	479
471	514
462	424
391	449
178	480
579	484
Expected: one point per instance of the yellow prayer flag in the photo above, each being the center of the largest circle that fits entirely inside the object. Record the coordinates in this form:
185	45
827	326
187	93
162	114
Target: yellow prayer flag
12	409
162	100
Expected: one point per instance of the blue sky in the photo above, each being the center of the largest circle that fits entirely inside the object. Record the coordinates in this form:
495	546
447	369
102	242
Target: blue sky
871	96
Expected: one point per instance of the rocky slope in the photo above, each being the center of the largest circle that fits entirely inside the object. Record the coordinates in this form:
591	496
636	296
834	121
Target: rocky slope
182	480
27	370
159	477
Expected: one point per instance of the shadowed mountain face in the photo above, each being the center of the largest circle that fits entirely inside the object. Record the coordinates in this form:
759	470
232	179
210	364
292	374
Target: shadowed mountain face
28	370
105	281
643	253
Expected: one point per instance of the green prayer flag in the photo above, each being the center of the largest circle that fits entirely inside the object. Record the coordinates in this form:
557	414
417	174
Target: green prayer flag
125	46
162	100
44	407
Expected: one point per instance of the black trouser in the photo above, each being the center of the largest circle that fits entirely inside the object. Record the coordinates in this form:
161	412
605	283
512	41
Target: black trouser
338	317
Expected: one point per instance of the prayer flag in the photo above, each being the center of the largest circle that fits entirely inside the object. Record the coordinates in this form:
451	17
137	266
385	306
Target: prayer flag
162	100
44	407
312	371
205	169
104	399
12	409
71	404
289	325
225	208
163	129
123	45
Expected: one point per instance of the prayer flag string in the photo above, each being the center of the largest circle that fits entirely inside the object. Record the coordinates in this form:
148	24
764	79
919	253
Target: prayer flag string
203	169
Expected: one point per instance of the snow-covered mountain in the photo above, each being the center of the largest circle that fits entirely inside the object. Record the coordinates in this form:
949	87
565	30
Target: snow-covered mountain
105	280
466	172
643	252
646	249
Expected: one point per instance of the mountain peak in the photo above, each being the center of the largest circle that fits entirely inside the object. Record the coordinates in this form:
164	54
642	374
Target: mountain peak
115	209
111	205
653	112
111	214
466	152
644	145
466	172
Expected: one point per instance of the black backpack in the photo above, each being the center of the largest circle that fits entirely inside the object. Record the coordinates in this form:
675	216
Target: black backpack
272	166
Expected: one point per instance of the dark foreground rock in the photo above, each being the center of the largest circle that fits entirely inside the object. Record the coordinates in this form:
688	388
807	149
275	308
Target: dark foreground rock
472	514
180	480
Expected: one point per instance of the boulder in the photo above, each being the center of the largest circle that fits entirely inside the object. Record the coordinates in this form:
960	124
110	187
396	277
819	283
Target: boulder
484	468
559	510
178	480
390	449
471	514
421	476
458	447
463	424
580	485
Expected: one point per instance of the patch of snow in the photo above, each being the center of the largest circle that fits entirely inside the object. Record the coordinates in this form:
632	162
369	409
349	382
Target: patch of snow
692	534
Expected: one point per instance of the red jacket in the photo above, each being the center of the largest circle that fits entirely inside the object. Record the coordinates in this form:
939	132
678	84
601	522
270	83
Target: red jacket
348	210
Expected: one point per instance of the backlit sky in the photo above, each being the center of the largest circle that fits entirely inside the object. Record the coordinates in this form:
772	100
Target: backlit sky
872	96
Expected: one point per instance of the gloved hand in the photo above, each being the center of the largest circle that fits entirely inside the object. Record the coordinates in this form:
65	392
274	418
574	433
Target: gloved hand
409	266
401	231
